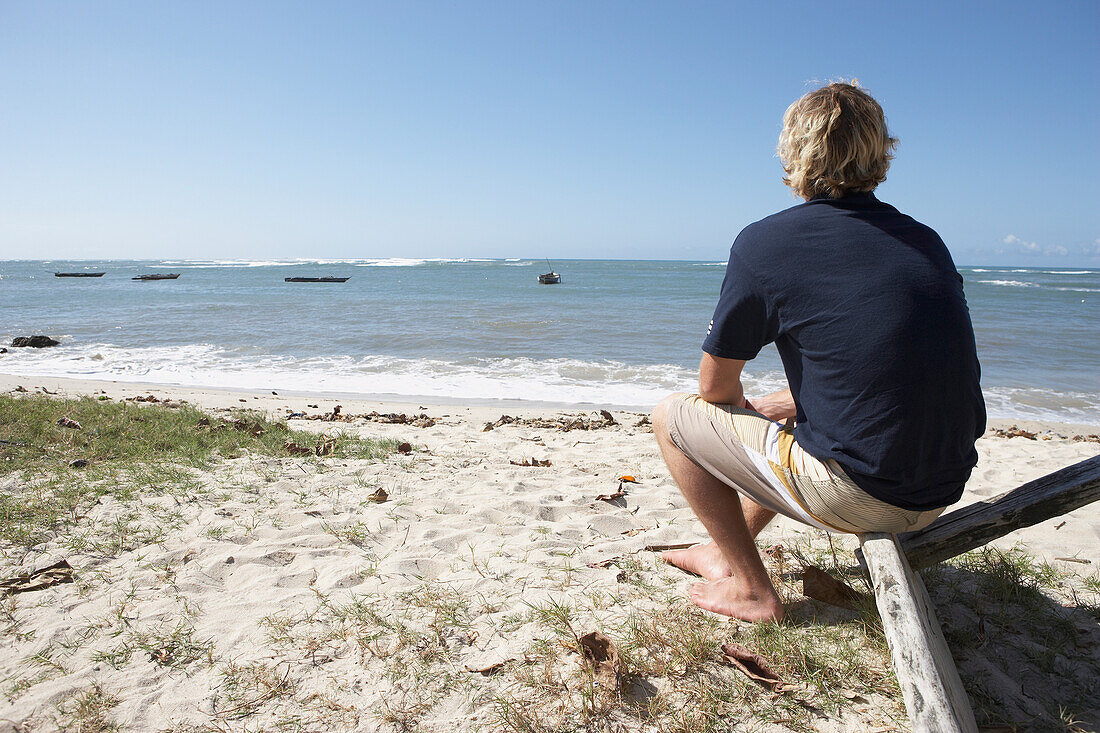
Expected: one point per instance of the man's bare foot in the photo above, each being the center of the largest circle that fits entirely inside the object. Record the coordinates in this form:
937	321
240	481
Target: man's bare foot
729	597
704	560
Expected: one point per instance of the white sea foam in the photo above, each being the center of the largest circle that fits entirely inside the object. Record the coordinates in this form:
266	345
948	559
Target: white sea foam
1070	272
1010	283
556	381
563	381
358	261
413	262
1079	290
1042	404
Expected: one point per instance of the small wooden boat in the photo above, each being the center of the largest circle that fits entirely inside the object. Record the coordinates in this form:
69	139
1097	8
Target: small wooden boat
328	279
79	274
549	278
157	276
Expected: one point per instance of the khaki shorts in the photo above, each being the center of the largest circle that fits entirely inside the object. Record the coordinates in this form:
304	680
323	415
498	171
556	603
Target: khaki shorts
761	459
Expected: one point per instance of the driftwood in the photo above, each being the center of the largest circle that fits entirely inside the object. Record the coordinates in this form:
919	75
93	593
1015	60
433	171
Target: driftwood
973	526
934	695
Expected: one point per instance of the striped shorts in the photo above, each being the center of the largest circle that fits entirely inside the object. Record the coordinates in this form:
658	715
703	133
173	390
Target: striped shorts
761	460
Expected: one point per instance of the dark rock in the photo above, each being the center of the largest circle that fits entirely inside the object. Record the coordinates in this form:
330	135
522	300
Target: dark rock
3	351
36	342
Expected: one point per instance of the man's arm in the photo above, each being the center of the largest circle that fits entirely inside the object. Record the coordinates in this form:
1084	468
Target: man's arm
720	380
720	384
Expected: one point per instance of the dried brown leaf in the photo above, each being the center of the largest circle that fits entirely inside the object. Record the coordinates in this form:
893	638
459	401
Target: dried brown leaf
818	584
599	652
67	422
752	664
56	574
531	462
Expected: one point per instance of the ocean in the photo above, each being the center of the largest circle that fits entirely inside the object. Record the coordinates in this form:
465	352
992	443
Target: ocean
614	333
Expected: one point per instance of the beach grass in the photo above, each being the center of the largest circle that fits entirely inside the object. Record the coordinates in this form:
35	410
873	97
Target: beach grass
1007	610
87	712
58	456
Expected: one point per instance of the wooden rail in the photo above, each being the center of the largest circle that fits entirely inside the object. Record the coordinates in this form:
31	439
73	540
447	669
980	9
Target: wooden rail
978	524
934	695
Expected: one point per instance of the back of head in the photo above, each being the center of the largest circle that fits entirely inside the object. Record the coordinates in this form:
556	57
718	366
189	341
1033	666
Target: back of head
834	142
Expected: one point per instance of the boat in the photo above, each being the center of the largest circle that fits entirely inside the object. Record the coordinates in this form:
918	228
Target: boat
157	276
328	279
549	278
79	274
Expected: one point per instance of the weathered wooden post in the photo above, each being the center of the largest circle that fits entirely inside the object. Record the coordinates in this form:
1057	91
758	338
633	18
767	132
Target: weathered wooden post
930	685
934	695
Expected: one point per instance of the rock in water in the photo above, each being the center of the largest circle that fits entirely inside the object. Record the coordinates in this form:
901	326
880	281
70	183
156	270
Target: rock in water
36	342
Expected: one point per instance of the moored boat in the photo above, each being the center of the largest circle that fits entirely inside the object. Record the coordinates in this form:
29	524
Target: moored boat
157	276
549	278
328	279
79	274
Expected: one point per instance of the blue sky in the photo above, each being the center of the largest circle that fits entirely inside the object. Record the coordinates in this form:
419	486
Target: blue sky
565	129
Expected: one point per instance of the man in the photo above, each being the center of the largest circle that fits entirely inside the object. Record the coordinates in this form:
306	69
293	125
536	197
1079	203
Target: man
867	312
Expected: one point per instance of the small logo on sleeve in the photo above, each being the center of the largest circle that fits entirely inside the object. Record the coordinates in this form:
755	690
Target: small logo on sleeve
710	327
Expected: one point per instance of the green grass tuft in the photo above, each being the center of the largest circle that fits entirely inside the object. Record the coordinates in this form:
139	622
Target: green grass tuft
125	451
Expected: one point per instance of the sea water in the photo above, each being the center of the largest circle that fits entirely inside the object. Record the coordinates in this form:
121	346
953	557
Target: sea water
614	333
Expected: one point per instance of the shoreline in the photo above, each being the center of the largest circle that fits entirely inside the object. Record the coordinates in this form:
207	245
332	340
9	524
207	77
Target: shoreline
296	400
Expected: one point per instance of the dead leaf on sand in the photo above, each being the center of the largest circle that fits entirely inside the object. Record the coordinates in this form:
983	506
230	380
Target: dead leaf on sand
620	494
818	584
246	427
296	449
601	654
635	531
379	496
531	462
326	447
1012	432
67	422
405	448
752	664
56	574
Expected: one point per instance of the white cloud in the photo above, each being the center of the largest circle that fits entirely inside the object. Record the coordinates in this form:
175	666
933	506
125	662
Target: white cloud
1034	248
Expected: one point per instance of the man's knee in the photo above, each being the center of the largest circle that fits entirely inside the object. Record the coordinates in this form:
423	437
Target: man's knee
660	417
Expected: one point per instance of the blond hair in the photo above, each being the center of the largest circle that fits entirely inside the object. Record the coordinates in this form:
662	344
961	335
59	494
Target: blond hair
835	141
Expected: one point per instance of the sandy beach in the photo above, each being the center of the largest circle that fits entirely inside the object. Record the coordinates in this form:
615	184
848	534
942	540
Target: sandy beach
288	593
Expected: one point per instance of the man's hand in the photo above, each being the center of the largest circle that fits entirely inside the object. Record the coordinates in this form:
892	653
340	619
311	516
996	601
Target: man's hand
777	406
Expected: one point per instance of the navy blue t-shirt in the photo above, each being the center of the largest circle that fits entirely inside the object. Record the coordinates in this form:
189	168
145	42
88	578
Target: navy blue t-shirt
867	311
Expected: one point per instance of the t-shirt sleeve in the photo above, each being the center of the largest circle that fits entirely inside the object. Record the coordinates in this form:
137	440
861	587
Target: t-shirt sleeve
744	320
